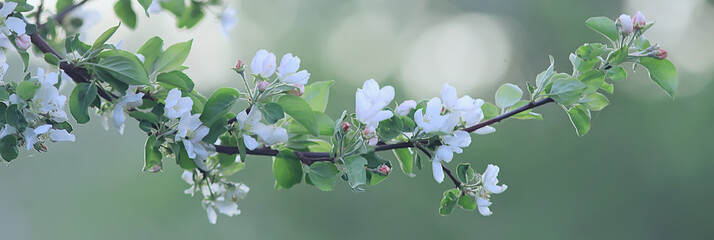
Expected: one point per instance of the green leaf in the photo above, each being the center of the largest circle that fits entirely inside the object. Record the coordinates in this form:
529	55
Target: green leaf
182	158
124	66
316	94
593	79
172	58
301	111
448	203
404	155
590	51
541	78
51	59
594	102
272	112
62	4
580	118
324	124
662	72
467	203
79	100
374	178
322	175
527	114
123	10
176	79
151	50
191	15
465	173
15	118
8	148
287	170
354	168
26	89
104	37
608	87
617	73
152	155
220	102
145	4
507	95
604	26
617	57
148	116
566	90
489	110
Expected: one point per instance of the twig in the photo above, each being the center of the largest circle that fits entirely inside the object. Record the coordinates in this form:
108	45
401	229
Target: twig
62	14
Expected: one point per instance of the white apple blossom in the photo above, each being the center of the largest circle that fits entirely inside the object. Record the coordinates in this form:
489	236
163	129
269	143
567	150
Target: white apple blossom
489	180
639	21
431	120
625	23
228	21
3	64
47	99
469	109
176	106
404	108
32	135
246	122
287	71
263	63
270	134
23	42
8	24
131	99
191	132
370	101
7	130
445	153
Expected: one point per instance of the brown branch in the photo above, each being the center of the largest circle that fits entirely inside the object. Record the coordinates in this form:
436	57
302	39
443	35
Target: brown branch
62	14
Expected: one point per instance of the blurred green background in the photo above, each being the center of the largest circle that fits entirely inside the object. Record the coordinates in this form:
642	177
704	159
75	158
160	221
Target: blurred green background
643	172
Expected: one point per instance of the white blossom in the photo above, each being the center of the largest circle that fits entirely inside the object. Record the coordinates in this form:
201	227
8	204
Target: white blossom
263	63
445	153
3	64
404	108
131	99
431	120
639	21
246	122
176	106
228	21
370	101
489	180
287	71
468	109
61	135
8	24
191	132
270	134
625	23
23	41
32	135
47	99
7	130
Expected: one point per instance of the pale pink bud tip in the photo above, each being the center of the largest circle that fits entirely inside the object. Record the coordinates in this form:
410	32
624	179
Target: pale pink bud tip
639	20
369	132
300	89
155	169
23	41
346	126
384	169
660	54
624	23
372	141
239	64
262	85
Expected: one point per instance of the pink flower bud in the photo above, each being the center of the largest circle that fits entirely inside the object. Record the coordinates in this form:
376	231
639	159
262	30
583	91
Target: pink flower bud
299	91
369	132
372	141
384	169
23	41
239	64
262	85
660	54
624	23
155	169
639	21
346	126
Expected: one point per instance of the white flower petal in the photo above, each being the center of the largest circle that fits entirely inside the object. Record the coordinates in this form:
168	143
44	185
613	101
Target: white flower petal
61	136
437	171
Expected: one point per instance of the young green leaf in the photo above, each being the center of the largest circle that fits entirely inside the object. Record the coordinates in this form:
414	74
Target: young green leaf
507	95
662	72
123	10
604	26
593	79
26	89
316	94
580	118
448	203
272	112
79	100
152	155
176	79
51	59
617	73
172	58
354	168
404	155
124	66
301	111
467	203
104	37
594	102
8	148
566	90
220	102
464	172
151	50
287	170
322	175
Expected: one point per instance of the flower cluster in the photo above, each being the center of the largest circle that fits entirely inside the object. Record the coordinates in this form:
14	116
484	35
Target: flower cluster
482	190
217	195
268	134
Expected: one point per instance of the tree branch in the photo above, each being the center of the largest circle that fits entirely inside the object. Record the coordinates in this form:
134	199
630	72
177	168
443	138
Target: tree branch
60	16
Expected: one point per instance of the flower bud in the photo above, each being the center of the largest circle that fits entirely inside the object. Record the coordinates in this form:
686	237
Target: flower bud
624	23
639	21
372	141
155	169
384	169
346	126
404	108
239	65
369	132
300	89
262	85
23	41
660	54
